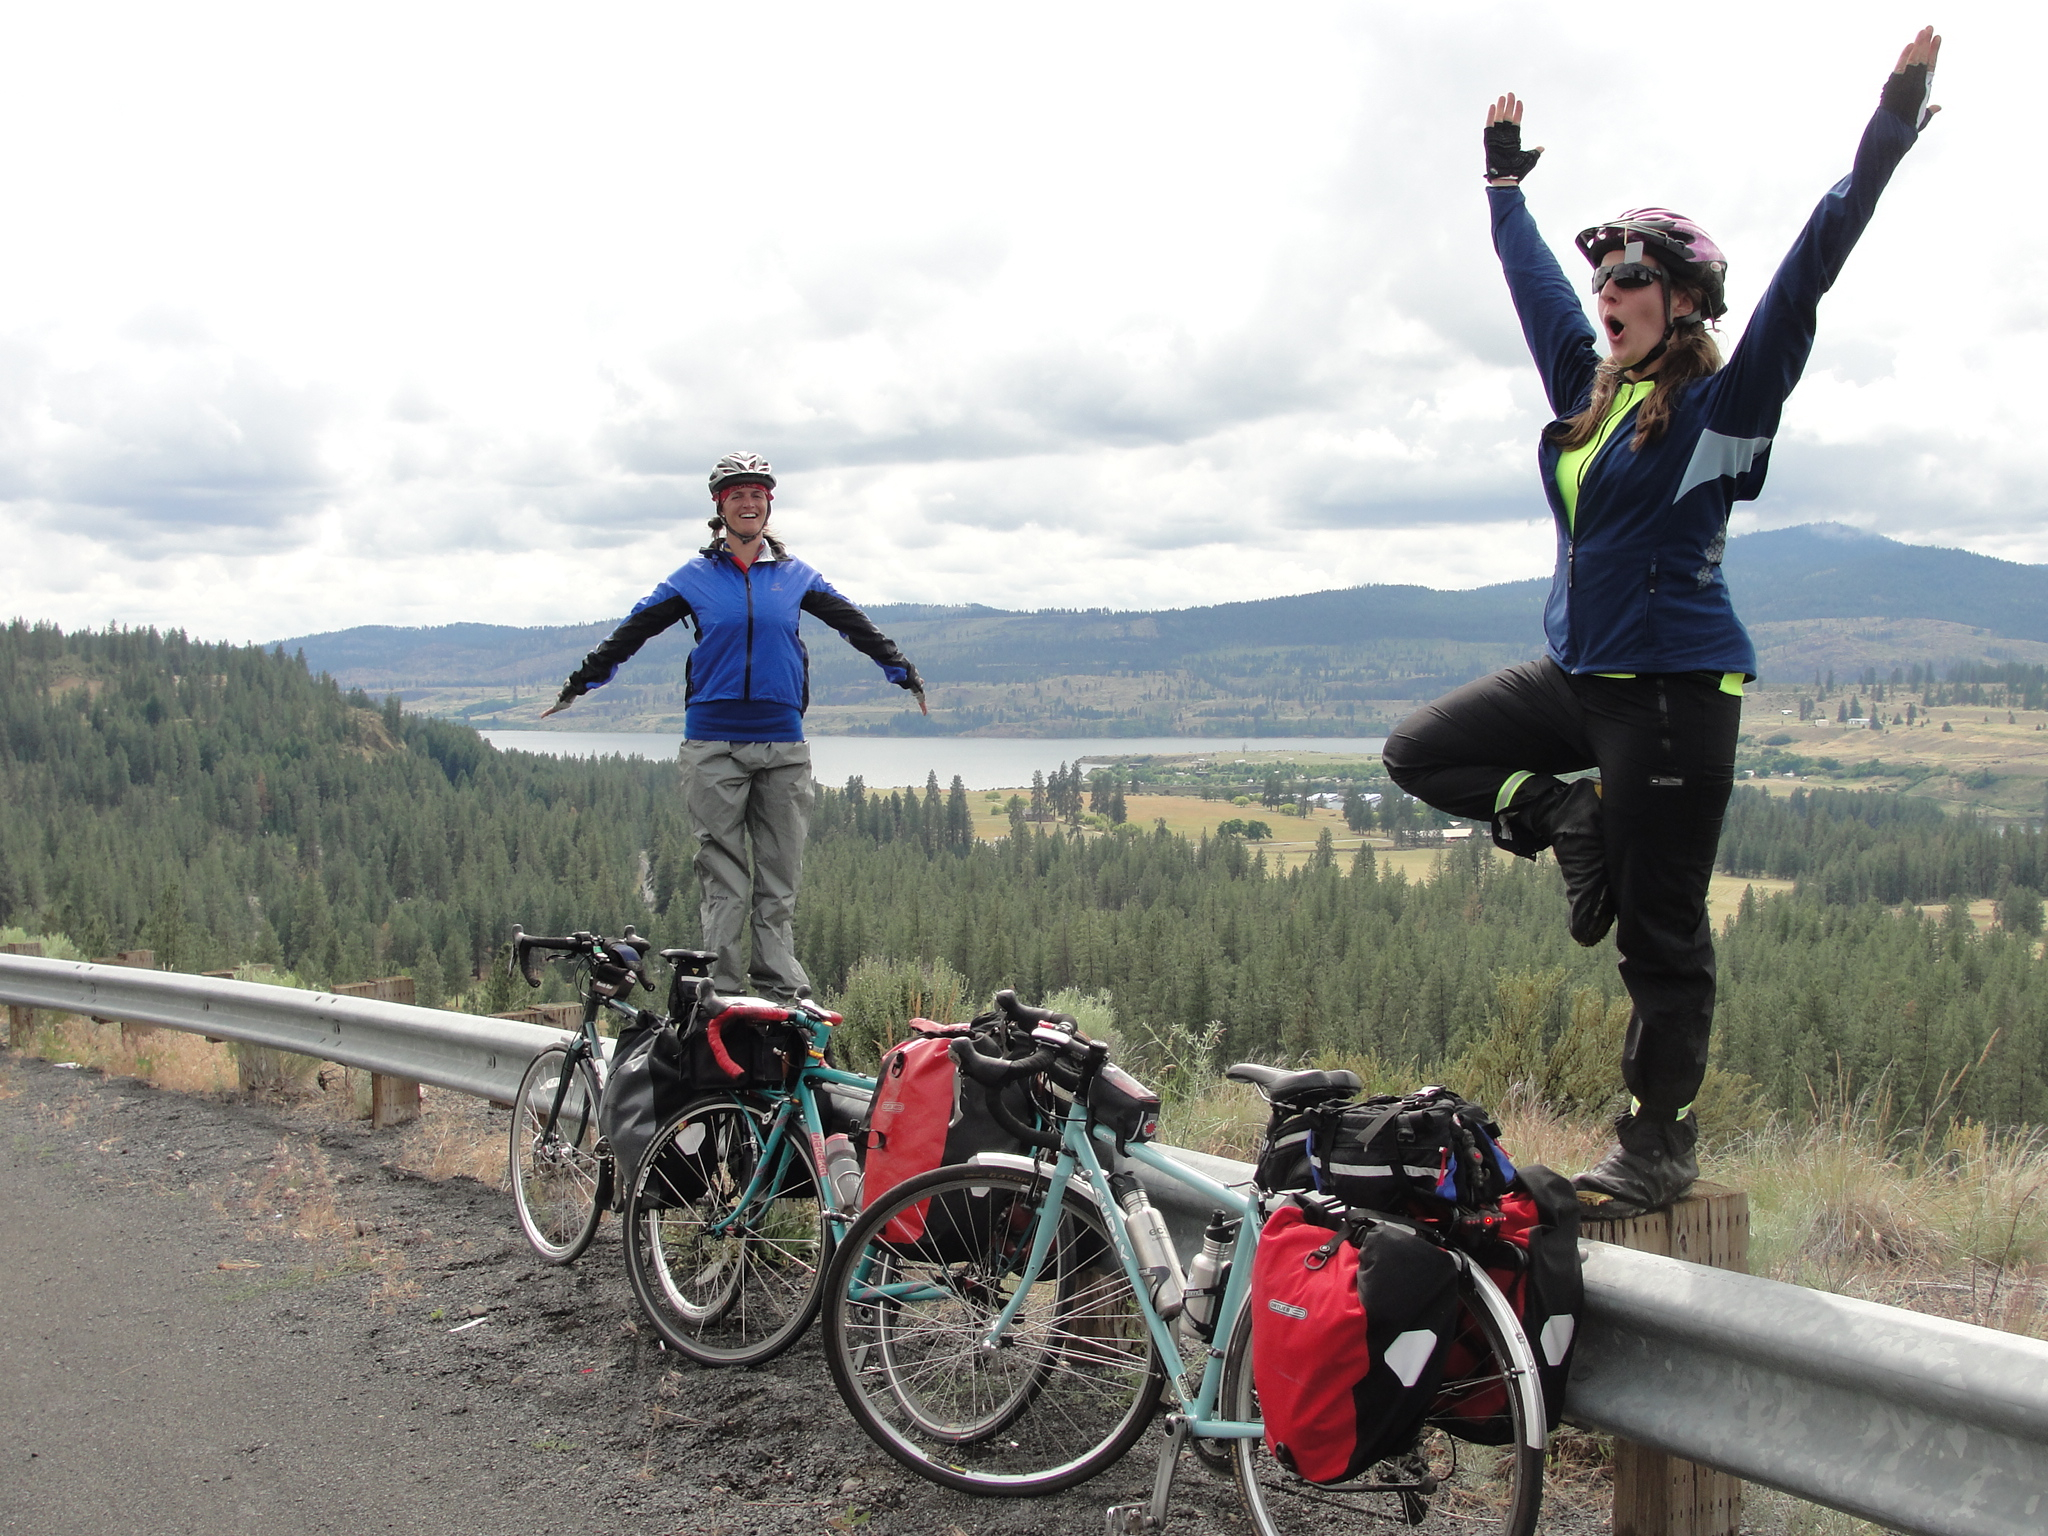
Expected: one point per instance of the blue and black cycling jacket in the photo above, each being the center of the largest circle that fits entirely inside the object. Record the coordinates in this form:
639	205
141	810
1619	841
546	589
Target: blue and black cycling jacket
748	651
1638	585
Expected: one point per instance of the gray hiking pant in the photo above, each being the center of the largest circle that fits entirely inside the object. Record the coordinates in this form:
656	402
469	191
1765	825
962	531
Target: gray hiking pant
736	791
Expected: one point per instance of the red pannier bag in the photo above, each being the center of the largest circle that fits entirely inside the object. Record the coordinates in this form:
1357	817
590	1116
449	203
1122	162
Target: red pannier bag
1532	1254
1352	1320
927	1114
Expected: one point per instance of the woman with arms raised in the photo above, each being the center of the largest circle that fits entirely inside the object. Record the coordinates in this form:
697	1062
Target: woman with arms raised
1652	446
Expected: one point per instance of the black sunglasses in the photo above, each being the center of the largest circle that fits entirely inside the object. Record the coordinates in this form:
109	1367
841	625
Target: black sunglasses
1629	274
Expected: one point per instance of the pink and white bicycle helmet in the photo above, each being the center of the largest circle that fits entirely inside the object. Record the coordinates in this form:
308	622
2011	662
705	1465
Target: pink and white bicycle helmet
1686	249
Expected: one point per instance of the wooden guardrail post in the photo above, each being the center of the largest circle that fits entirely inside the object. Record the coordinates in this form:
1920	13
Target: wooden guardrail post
393	1100
553	1015
138	960
1656	1494
21	1022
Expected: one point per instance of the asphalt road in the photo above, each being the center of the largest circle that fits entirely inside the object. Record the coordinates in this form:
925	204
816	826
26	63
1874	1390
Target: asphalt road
220	1316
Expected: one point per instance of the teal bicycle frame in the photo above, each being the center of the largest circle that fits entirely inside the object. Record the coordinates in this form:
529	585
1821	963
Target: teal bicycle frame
1199	1415
798	1102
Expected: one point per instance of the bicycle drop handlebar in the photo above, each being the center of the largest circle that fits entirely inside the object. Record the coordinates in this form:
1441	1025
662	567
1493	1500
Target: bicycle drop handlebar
996	1073
580	943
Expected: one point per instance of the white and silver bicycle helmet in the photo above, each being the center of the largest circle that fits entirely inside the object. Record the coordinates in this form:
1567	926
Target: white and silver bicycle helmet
741	469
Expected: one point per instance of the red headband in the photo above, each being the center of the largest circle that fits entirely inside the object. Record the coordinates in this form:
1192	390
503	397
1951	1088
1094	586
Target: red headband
726	490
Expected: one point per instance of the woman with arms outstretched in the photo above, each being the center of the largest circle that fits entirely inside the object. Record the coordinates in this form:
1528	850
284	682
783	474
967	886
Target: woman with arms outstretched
1653	445
746	766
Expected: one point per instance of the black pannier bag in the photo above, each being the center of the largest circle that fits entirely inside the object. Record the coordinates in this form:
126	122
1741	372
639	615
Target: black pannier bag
1433	1157
1352	1326
646	1084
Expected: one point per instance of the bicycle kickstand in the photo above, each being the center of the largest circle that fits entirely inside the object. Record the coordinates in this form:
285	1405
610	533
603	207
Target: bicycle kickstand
1130	1519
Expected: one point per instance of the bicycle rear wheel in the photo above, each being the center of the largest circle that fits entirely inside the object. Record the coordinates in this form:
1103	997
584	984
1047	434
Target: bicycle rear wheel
560	1184
915	1286
1444	1483
725	1264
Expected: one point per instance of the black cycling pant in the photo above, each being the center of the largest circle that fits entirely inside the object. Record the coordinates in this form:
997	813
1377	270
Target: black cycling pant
1664	744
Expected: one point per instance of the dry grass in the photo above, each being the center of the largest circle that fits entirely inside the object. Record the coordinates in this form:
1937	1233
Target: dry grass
1954	1226
456	1136
167	1058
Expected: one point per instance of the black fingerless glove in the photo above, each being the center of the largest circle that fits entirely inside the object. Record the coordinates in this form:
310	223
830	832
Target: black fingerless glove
1905	95
1506	160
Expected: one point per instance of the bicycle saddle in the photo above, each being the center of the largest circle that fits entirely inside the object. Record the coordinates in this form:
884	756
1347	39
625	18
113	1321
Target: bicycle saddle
1282	1086
691	962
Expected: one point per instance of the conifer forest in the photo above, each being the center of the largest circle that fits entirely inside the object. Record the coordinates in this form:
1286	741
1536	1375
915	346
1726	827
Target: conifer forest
224	807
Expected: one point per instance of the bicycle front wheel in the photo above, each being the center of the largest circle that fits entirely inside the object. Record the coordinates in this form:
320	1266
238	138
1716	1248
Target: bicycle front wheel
1444	1482
726	1239
560	1184
913	1292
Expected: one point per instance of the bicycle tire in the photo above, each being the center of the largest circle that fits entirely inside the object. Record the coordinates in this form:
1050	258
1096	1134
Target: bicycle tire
560	1182
1478	1490
1063	1399
722	1284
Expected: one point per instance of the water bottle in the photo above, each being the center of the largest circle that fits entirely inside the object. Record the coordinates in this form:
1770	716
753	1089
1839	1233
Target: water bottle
1208	1275
1157	1261
842	1171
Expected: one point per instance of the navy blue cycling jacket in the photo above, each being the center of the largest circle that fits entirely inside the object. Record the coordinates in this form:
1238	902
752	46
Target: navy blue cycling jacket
1638	585
748	649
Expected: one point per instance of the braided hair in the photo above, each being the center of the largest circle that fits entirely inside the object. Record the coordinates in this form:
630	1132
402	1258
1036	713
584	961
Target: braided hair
717	527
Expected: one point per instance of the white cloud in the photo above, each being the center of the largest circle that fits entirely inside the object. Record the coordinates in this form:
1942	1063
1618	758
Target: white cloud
401	314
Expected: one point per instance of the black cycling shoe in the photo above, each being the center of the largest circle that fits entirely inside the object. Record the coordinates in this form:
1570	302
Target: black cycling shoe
1565	818
1651	1165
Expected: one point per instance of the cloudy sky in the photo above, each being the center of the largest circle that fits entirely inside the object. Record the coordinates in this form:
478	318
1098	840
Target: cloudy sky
317	316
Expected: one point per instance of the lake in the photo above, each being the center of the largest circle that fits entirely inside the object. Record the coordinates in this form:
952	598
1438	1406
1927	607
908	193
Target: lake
984	762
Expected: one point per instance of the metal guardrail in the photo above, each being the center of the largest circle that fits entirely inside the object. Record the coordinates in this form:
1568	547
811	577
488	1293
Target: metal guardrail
1922	1424
459	1051
1916	1422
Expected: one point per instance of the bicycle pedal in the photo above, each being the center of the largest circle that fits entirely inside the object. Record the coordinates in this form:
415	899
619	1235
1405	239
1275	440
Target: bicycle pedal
1128	1519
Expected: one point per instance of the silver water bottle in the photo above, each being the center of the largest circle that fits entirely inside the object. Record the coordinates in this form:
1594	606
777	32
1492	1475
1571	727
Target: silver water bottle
842	1169
1157	1260
1207	1277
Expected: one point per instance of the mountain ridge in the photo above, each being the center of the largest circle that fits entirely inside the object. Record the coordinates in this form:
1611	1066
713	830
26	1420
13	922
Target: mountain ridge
1816	596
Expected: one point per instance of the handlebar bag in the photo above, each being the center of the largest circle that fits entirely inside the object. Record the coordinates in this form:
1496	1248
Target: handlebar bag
1533	1256
744	1047
646	1085
1351	1330
927	1114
